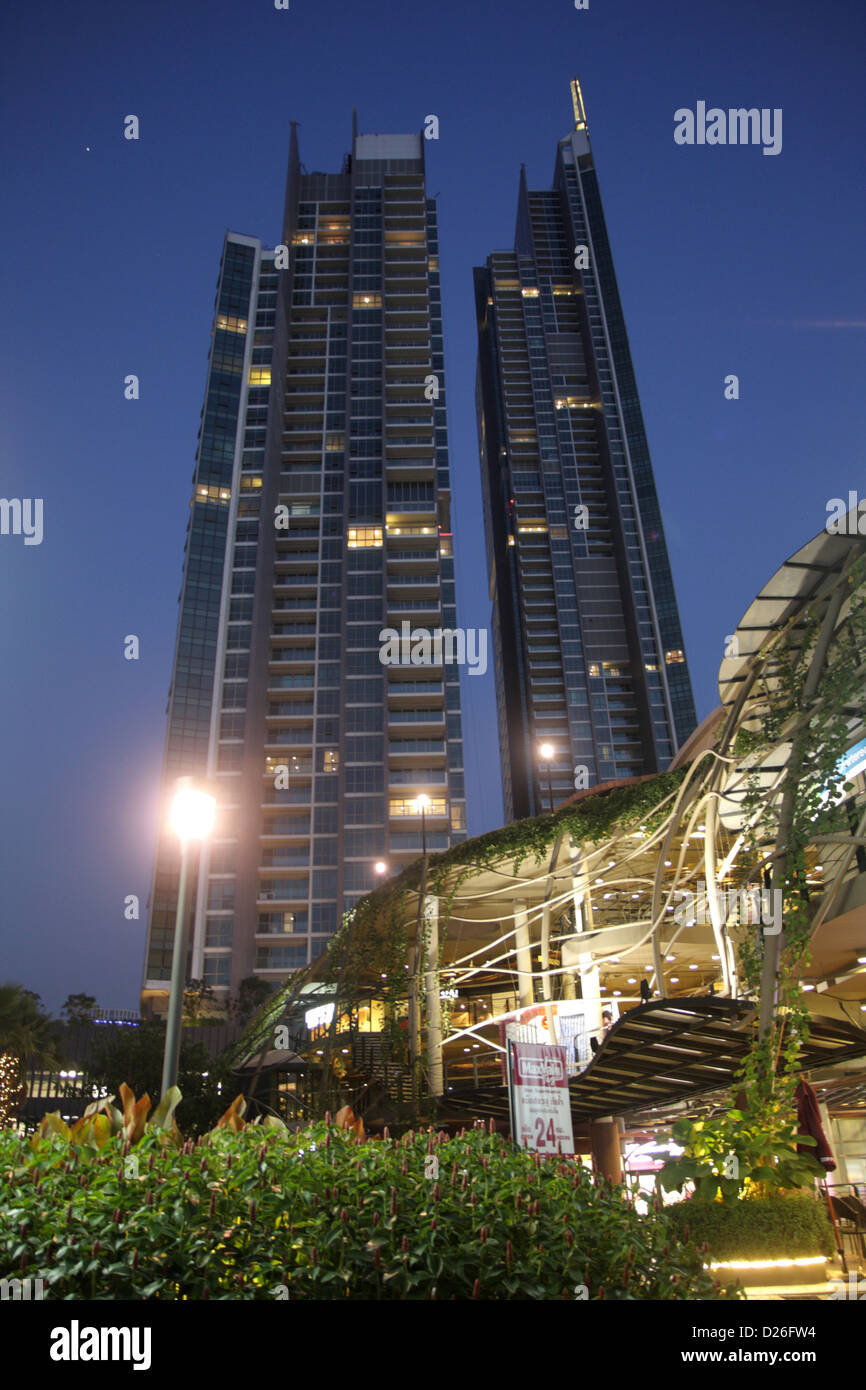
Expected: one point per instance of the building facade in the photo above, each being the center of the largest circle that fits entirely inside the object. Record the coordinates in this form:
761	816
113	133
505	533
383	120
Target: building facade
319	522
587	643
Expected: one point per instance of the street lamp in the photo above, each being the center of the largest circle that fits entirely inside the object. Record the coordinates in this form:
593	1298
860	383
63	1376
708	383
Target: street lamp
380	868
191	818
423	802
547	753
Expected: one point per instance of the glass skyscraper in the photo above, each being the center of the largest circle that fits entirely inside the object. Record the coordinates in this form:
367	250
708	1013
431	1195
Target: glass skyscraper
588	649
319	517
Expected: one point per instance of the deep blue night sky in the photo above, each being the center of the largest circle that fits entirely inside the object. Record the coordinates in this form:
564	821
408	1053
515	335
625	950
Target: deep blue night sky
728	261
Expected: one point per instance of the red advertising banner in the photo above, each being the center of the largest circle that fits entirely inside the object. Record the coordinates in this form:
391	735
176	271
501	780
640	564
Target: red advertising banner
540	1103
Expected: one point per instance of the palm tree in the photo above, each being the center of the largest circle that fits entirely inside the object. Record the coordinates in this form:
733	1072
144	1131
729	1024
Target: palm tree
26	1035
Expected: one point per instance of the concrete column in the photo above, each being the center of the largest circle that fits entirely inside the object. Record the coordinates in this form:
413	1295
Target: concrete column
589	976
434	1003
525	992
605	1147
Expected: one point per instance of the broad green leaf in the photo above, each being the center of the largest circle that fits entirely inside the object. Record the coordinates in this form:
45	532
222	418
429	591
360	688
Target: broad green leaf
162	1115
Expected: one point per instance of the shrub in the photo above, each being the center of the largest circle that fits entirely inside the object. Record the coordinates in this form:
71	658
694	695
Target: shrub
756	1228
253	1212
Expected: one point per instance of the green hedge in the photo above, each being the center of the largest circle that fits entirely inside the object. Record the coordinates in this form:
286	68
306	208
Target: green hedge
264	1214
756	1228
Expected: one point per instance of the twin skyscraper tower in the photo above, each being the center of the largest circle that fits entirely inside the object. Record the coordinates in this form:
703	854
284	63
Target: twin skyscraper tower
320	521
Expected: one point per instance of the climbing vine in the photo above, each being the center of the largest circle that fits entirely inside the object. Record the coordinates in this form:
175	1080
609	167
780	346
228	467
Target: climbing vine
811	717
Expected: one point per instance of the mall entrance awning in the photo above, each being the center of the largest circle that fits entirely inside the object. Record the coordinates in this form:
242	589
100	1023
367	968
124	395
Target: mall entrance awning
669	1052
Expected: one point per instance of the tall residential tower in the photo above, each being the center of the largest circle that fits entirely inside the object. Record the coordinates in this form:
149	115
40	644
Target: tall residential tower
588	648
319	517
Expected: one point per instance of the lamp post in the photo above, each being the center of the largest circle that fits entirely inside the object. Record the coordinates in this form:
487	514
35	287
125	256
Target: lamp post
380	868
192	817
548	753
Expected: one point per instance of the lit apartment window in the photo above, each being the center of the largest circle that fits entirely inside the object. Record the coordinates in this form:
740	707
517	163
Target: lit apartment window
331	760
458	817
650	666
303	239
211	493
260	376
593	669
231	325
530	293
673	656
364	537
366	301
409	807
334	443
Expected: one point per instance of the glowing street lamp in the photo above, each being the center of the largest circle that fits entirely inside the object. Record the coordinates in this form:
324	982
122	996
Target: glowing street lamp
380	868
547	753
423	802
191	818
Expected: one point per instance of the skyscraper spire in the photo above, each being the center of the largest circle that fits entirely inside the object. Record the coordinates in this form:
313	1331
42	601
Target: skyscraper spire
577	103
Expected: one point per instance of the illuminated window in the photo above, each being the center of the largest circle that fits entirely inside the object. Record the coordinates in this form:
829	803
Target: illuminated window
572	403
445	547
593	668
231	325
410	807
212	493
558	533
335	232
364	537
303	239
524	438
366	301
405	238
458	817
432	262
612	668
563	289
260	376
530	294
250	484
331	760
506	284
673	656
650	666
334	443
532	526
